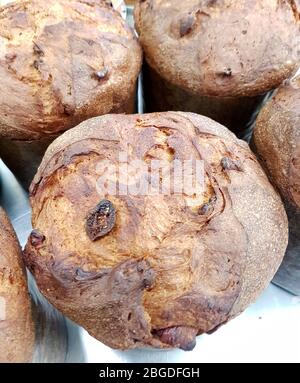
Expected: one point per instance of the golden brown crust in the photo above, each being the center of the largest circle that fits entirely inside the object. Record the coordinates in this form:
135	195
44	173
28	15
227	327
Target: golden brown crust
172	266
276	139
221	47
16	325
62	62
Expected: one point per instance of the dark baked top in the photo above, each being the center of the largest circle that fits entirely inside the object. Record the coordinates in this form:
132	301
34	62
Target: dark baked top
221	47
277	140
159	269
16	325
62	62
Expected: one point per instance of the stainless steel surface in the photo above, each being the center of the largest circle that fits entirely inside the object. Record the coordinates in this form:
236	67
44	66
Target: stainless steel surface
288	275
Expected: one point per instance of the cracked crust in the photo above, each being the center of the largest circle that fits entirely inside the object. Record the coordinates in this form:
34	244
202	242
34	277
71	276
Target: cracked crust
16	324
62	62
215	47
276	140
173	266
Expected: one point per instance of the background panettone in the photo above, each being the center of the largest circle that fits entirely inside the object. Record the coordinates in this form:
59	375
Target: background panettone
16	323
276	140
216	58
170	267
61	62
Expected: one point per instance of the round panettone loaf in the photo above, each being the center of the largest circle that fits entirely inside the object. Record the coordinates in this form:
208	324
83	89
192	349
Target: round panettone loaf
16	323
61	62
276	140
152	269
216	58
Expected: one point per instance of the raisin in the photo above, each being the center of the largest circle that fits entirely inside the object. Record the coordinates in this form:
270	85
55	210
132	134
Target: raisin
182	337
186	25
101	220
148	279
36	238
36	64
207	208
189	346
